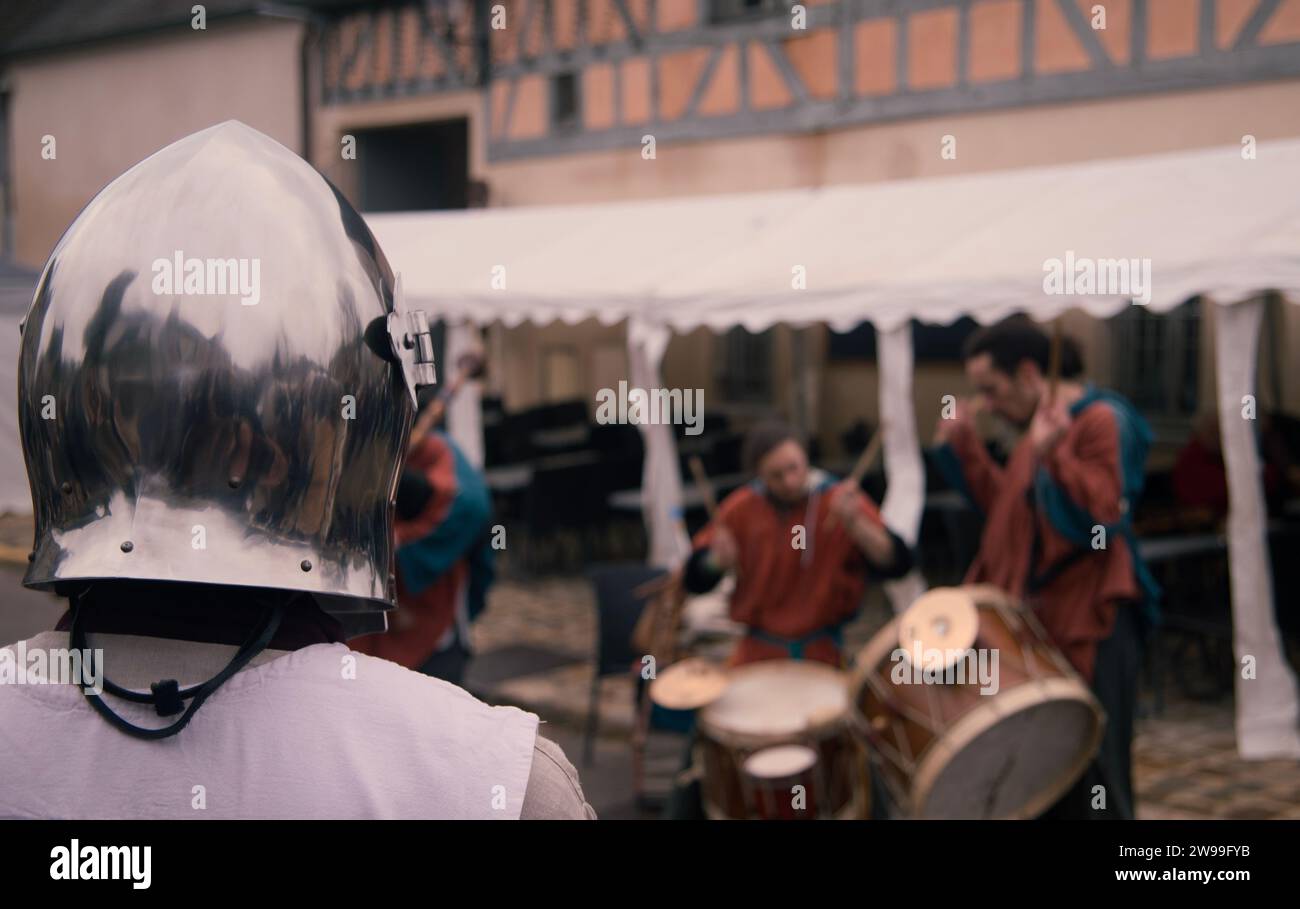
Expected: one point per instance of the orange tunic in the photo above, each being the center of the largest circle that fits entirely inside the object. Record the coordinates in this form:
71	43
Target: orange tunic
795	595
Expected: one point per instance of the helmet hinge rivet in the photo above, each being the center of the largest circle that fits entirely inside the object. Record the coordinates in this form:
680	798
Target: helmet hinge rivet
234	482
306	565
66	487
128	546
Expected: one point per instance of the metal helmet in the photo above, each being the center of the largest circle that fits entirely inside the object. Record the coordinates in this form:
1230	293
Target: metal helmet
217	382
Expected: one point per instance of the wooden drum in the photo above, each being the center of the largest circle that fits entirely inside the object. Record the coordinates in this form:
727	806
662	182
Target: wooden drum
948	745
782	724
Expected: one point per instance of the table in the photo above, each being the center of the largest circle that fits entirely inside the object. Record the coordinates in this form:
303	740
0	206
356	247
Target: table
630	499
1172	547
507	478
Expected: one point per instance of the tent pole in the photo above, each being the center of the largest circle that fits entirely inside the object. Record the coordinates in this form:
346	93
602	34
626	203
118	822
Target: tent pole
661	478
1267	706
904	470
465	410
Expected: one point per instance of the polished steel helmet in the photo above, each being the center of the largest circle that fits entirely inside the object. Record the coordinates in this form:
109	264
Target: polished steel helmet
217	381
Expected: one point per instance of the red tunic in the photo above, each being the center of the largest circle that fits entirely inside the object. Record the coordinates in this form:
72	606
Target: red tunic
784	591
1077	607
420	621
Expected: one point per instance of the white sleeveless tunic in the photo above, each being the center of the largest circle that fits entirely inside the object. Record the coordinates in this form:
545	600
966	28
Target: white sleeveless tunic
322	732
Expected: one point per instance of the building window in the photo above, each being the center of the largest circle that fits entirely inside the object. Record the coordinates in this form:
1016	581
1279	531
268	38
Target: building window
1155	361
722	11
414	167
564	102
745	367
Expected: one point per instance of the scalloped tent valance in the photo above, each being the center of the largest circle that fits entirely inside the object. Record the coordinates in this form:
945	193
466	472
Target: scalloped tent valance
935	249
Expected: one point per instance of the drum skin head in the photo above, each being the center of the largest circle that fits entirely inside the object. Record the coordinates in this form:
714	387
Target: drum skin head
777	698
1013	758
780	762
943	619
777	722
1014	754
689	684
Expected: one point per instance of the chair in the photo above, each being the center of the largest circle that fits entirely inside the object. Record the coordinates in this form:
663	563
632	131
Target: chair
617	610
557	414
506	441
561	507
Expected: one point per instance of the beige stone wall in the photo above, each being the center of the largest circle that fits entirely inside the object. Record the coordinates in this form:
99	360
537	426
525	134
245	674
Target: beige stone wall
113	104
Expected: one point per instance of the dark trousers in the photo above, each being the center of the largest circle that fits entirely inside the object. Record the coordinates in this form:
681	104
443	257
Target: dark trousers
1115	684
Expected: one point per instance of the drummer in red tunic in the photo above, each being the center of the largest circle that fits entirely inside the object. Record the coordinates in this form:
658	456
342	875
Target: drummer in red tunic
802	546
1057	529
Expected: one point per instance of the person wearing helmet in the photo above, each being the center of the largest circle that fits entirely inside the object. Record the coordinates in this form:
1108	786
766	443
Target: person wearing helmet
216	385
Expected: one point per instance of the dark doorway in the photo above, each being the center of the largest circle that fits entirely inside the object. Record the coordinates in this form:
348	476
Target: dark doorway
418	167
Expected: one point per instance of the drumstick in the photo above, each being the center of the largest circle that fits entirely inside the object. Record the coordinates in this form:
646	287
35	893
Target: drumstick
655	585
706	490
652	586
657	628
1054	361
667	622
865	460
471	367
868	456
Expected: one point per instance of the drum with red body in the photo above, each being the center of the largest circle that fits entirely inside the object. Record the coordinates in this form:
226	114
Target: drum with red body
749	767
782	782
955	748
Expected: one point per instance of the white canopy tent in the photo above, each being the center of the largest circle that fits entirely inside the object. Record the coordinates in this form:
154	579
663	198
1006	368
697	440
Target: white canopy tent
1211	222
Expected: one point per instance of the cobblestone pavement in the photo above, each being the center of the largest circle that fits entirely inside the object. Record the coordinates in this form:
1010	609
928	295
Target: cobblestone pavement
1185	761
1186	766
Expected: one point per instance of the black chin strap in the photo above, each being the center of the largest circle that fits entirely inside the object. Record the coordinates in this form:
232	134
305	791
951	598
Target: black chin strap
167	696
